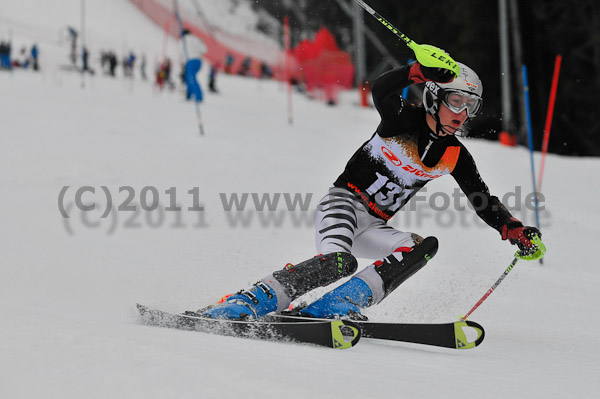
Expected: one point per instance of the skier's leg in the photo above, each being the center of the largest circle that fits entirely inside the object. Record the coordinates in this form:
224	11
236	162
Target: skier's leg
339	218
409	254
336	221
276	291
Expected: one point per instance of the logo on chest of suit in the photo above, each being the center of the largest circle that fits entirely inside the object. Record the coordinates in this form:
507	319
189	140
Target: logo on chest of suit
391	156
419	173
409	168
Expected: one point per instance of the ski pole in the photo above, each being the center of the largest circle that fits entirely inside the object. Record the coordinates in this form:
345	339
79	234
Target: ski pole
427	55
199	119
489	292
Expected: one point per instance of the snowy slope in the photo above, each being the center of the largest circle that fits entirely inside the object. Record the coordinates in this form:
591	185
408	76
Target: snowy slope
68	286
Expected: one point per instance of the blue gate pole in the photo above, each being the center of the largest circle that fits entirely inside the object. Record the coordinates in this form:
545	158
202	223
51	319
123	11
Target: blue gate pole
530	139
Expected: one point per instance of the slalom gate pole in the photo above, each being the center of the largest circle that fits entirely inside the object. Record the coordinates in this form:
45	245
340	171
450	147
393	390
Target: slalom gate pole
187	58
288	67
530	140
83	50
489	292
166	41
427	55
549	115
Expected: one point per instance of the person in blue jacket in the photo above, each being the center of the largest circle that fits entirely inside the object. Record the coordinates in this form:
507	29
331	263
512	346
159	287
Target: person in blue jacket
196	49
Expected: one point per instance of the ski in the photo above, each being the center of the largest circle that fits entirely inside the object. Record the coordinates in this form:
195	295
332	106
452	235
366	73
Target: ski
447	335
337	334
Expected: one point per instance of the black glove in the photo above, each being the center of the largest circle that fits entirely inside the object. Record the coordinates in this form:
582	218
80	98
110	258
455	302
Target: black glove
520	235
419	74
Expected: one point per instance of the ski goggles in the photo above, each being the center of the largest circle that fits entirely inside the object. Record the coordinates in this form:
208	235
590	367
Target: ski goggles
458	101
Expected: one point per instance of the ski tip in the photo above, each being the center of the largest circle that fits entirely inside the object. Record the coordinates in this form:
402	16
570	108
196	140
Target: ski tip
460	334
344	334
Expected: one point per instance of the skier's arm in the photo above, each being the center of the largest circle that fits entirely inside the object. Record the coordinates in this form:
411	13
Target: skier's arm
386	91
488	207
386	87
493	212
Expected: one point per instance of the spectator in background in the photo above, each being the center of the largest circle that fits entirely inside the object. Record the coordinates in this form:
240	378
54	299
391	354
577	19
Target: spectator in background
85	66
163	75
5	49
245	67
229	63
112	63
128	65
84	60
73	37
212	77
143	67
167	73
159	75
182	73
104	61
265	71
34	53
22	61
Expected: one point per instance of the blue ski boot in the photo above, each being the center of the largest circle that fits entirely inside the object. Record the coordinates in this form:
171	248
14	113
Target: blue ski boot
343	301
257	302
373	284
276	291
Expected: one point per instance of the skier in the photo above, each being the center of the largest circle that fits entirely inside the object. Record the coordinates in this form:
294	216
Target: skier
411	146
196	49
